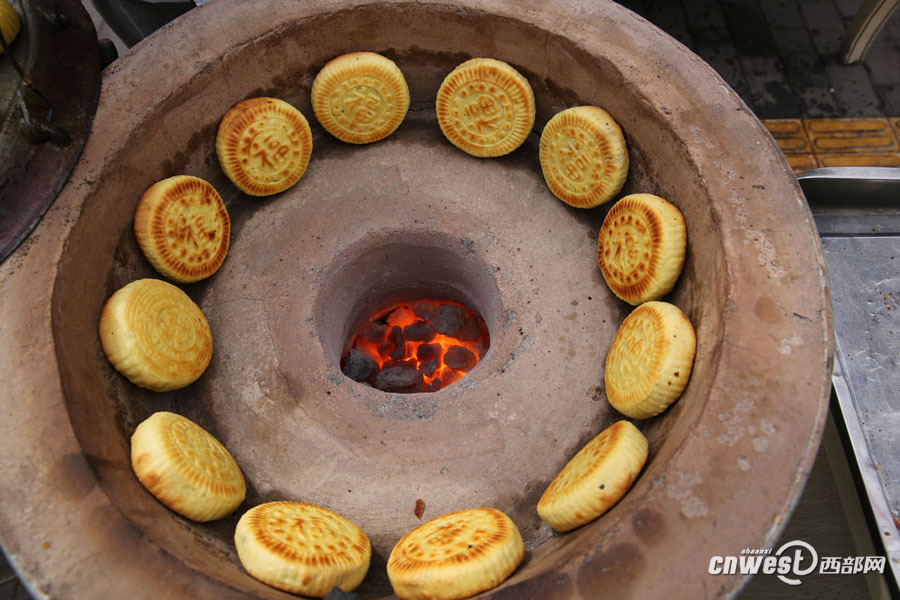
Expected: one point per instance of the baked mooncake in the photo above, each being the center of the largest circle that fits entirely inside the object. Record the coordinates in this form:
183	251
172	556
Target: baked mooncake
595	479
186	468
455	555
302	548
583	156
641	247
360	97
263	145
155	335
183	228
485	107
650	360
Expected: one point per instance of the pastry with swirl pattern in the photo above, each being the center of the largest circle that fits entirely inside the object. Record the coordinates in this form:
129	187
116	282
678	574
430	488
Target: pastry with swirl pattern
485	107
361	97
595	478
183	228
302	548
155	335
650	360
186	468
456	555
263	145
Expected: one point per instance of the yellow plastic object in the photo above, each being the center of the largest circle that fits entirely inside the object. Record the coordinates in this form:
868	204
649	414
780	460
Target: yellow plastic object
9	23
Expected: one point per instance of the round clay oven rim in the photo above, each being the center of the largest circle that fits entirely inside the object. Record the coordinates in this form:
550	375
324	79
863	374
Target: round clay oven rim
65	537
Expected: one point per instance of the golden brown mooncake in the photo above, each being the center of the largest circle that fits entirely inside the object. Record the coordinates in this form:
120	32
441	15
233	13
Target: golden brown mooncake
597	477
641	247
360	97
155	335
186	468
650	360
583	156
485	107
263	145
455	555
183	228
302	548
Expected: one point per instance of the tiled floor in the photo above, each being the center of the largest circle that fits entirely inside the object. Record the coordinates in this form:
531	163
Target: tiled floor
783	58
814	143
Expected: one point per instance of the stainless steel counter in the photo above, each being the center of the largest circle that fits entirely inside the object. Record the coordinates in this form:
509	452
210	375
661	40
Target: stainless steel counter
857	212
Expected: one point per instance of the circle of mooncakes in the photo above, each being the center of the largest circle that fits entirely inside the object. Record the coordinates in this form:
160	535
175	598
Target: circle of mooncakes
186	468
455	555
485	107
583	156
650	360
183	228
302	548
597	477
263	145
360	97
155	335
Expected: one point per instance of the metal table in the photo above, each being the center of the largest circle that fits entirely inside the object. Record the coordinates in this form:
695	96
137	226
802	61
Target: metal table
857	212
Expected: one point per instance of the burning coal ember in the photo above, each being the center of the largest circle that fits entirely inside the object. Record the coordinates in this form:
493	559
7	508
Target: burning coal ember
418	346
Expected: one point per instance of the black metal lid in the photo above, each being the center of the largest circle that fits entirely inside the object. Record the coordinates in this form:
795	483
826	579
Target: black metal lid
49	87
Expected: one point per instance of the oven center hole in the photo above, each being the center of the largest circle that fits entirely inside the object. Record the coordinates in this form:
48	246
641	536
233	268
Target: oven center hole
419	346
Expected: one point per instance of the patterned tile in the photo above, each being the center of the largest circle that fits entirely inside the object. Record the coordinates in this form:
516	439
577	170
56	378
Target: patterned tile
813	143
857	159
790	135
844	136
802	162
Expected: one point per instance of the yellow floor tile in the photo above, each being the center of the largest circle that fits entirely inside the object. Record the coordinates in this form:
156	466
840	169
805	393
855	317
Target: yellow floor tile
802	162
790	135
886	159
814	143
843	136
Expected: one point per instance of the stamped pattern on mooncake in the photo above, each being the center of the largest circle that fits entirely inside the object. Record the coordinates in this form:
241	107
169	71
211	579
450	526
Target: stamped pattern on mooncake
595	479
155	335
360	97
186	468
485	107
627	249
650	360
583	156
302	548
455	555
203	454
183	228
264	145
641	247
